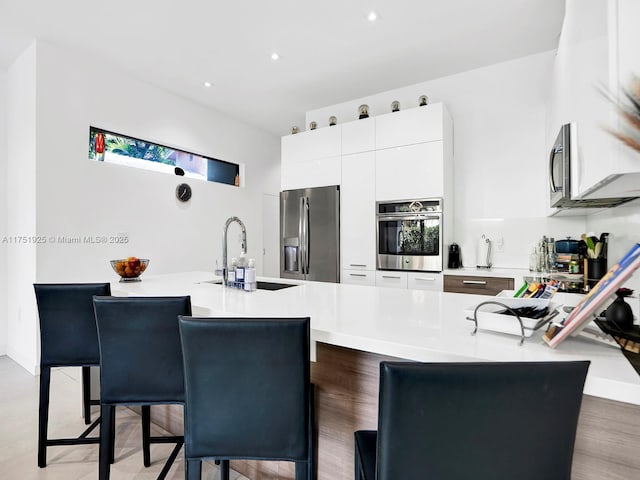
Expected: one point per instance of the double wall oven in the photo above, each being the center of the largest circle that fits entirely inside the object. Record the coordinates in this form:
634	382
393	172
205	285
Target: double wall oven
409	235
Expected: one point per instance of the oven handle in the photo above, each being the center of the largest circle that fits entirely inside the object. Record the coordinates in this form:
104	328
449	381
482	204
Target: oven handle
431	216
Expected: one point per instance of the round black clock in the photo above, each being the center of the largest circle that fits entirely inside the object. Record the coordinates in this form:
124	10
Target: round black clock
183	192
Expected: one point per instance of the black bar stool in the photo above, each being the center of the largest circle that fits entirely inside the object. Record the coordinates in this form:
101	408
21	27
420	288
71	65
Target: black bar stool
456	421
248	392
68	338
140	364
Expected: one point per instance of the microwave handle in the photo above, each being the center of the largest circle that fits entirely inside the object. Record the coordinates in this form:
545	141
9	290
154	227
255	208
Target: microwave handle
552	183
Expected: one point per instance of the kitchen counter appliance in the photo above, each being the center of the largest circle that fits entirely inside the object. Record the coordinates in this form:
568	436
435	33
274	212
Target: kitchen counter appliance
409	235
310	234
564	153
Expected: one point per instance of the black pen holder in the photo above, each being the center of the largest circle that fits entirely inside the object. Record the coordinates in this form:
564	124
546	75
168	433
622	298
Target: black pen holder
596	269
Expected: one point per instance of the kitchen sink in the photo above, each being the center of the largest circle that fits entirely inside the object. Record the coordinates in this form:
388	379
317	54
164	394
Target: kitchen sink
259	285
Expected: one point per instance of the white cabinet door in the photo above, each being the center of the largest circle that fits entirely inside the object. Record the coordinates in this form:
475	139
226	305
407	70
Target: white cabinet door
357	212
425	281
311	145
415	125
315	173
359	277
413	171
358	136
391	279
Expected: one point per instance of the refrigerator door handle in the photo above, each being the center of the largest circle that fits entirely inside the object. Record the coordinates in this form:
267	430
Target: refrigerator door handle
301	235
305	220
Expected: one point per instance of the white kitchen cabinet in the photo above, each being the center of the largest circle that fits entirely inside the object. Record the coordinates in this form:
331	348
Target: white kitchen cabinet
358	277
409	172
314	173
424	281
414	125
357	212
312	145
598	48
391	279
358	136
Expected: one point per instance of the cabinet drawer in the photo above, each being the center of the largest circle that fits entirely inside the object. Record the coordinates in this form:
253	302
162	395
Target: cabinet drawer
477	285
425	281
359	277
391	279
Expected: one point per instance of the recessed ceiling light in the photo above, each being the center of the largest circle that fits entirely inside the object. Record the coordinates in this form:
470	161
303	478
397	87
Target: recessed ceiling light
275	56
207	84
372	17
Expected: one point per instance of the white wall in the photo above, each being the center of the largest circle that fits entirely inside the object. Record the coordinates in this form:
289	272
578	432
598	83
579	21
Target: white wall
78	197
3	215
499	116
22	336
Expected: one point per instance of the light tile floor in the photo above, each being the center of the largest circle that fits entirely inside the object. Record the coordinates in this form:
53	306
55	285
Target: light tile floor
19	433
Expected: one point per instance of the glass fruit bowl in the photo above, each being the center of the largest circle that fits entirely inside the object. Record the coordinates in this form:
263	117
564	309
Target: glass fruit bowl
130	268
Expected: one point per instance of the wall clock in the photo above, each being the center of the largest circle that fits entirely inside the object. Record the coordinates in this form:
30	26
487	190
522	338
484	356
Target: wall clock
183	192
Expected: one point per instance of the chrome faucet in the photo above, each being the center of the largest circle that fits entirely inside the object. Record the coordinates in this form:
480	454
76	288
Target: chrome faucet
243	245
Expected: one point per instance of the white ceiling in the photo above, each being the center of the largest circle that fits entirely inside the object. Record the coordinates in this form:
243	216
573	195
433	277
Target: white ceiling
329	52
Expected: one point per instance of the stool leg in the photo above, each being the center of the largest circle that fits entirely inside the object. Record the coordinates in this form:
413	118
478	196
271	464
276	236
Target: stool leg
43	420
112	447
146	435
224	469
193	469
106	441
86	394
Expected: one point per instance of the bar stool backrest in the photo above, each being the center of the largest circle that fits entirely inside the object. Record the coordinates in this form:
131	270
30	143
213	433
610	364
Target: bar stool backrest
247	386
68	335
140	352
484	420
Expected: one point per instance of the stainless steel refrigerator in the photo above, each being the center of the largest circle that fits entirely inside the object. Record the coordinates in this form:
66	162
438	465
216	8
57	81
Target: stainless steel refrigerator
310	234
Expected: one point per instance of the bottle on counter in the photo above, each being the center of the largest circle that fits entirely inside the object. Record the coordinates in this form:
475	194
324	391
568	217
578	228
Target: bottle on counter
231	273
240	269
250	275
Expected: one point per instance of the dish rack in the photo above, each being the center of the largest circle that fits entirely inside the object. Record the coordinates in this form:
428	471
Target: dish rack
514	324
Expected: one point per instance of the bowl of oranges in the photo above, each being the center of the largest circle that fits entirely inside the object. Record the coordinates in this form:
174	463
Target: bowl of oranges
130	268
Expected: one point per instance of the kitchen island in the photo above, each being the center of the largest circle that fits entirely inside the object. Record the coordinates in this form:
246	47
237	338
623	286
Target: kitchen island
354	328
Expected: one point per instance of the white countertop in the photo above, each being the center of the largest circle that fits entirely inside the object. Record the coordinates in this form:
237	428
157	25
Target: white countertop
408	324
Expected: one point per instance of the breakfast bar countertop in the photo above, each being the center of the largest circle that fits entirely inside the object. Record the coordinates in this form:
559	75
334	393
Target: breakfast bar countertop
407	324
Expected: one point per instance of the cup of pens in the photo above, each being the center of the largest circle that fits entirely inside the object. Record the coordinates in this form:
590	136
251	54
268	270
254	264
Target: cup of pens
596	266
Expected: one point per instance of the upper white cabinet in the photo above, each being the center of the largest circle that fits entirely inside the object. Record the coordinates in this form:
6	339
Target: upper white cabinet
412	171
314	173
312	145
406	127
598	48
357	212
311	159
358	136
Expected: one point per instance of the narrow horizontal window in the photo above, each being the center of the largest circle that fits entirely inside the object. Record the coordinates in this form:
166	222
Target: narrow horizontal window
110	147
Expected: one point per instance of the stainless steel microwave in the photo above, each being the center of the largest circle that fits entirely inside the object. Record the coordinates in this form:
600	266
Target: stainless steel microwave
563	154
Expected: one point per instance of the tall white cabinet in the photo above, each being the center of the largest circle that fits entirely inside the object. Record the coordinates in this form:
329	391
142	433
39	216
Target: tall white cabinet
397	156
598	49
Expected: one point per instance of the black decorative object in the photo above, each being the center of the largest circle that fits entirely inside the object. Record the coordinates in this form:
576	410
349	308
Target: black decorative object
395	106
332	121
178	171
363	112
313	126
423	100
619	312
